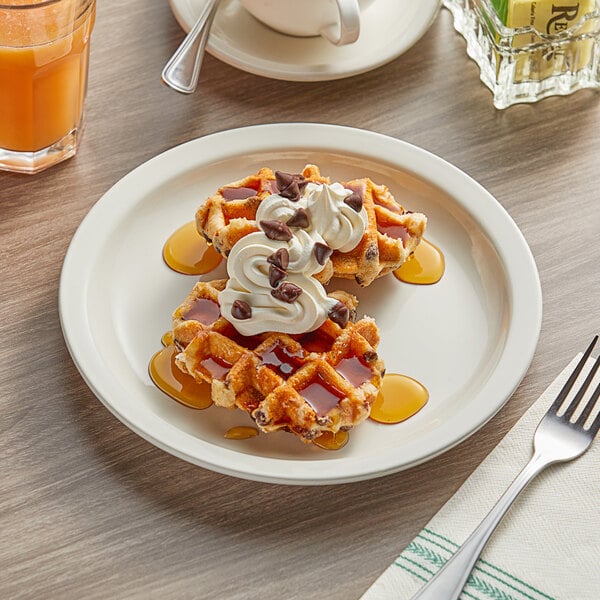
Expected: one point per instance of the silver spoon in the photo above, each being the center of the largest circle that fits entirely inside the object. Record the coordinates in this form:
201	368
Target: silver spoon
182	71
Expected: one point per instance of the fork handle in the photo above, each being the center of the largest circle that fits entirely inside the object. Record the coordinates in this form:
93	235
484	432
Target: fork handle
449	581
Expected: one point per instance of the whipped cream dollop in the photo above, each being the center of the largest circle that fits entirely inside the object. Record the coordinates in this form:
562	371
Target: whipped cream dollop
331	220
271	285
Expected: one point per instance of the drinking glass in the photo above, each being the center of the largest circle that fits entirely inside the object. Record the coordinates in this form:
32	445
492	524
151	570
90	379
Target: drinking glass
44	55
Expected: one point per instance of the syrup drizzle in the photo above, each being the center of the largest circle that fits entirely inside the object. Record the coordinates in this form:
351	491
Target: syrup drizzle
395	208
217	367
353	370
203	310
238	193
424	266
400	397
189	253
249	342
395	231
282	360
321	395
316	341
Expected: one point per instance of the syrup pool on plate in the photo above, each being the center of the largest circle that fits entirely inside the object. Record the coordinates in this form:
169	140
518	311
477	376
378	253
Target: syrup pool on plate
241	432
175	383
424	266
187	252
400	397
332	441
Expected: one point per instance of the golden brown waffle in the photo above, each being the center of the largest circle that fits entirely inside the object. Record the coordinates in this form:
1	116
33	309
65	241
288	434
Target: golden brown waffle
391	236
325	380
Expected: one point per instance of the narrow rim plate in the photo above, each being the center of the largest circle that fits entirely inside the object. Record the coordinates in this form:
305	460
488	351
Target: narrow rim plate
388	29
469	339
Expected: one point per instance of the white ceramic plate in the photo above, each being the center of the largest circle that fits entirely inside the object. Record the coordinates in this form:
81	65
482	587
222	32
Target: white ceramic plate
469	339
388	28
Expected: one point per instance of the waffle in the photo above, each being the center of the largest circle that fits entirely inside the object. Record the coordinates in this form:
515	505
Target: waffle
391	236
308	384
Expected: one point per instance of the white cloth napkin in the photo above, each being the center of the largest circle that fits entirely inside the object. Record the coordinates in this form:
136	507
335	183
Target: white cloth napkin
546	548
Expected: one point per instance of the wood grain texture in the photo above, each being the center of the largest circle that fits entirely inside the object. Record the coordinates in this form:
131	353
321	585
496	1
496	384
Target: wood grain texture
90	510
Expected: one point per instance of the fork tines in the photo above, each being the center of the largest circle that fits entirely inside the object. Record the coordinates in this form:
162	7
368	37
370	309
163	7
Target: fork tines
576	401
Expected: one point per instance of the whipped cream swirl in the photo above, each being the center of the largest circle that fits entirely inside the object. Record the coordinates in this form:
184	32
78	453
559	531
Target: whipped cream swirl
326	221
331	220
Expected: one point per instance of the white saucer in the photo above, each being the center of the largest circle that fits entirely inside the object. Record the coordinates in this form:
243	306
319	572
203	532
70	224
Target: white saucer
388	28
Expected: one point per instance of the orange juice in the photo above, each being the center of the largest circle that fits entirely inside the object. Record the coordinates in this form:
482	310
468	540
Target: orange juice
44	52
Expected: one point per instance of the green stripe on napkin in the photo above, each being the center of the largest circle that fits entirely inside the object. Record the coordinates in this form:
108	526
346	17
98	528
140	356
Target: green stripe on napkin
431	549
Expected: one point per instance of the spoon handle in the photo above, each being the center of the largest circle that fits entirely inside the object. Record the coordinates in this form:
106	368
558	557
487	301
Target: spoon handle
182	71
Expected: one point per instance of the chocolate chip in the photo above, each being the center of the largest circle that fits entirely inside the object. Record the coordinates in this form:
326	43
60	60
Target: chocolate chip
241	310
322	252
276	230
260	417
299	219
372	253
280	259
290	185
276	276
339	314
354	201
288	292
291	192
370	356
283	179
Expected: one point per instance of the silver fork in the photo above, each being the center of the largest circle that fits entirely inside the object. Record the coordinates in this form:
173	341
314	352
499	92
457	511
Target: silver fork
557	438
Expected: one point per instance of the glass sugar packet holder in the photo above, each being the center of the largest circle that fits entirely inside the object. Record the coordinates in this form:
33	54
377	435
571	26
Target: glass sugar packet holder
556	51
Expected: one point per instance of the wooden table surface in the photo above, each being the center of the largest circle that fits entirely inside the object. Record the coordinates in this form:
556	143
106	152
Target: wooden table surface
90	510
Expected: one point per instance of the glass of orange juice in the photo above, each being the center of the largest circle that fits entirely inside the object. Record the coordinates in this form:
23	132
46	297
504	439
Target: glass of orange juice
44	55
